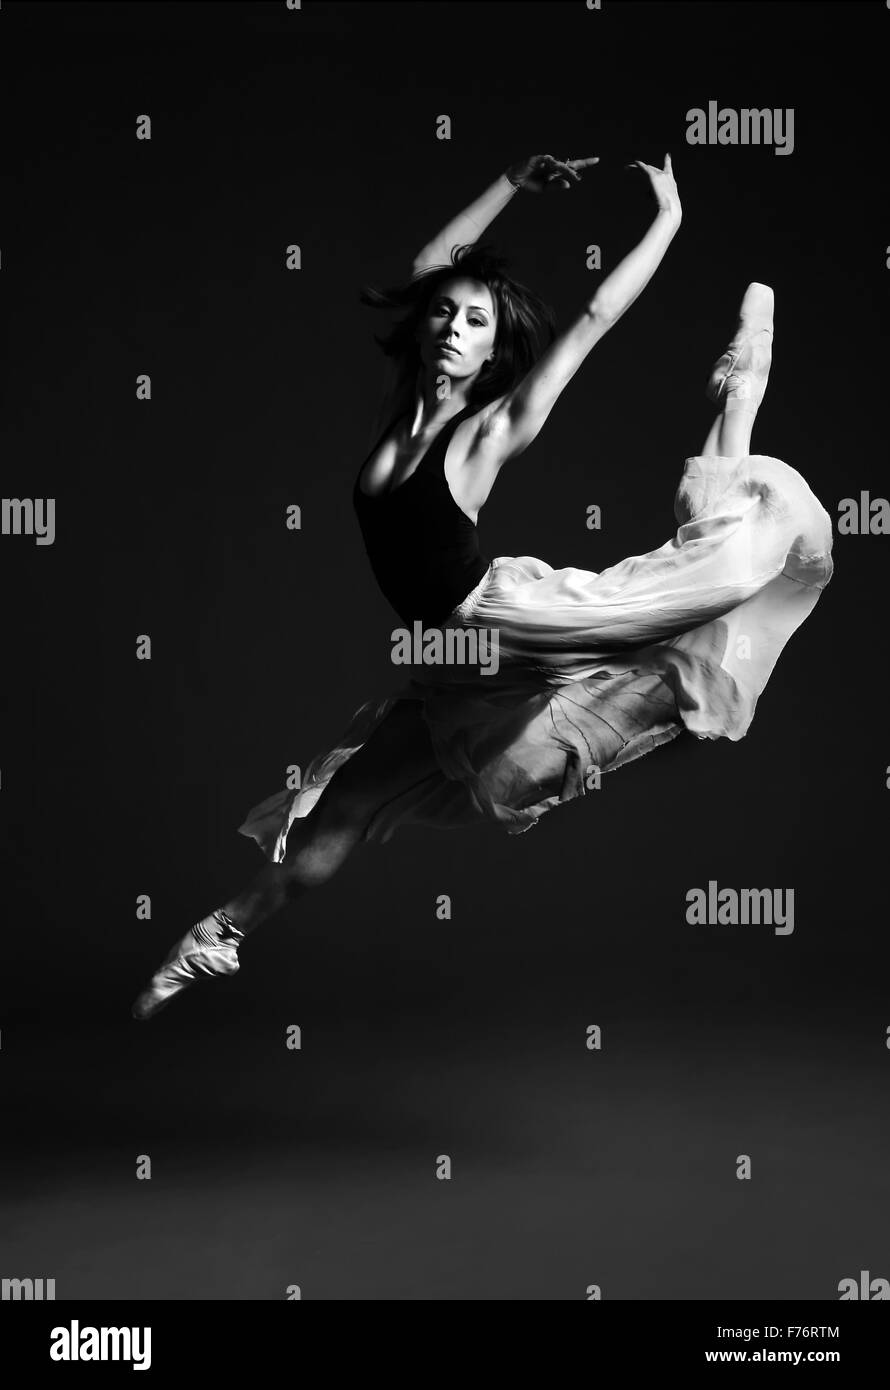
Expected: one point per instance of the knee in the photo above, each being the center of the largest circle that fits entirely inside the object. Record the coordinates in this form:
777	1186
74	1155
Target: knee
302	875
309	869
323	852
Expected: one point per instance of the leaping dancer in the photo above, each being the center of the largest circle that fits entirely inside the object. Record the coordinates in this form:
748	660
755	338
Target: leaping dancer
594	669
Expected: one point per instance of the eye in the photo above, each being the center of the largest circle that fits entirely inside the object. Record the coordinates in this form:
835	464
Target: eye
442	308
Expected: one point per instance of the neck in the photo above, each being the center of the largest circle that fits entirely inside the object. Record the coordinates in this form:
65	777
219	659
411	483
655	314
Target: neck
429	409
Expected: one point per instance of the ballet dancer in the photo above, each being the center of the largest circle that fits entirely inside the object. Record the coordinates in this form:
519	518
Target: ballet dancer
594	669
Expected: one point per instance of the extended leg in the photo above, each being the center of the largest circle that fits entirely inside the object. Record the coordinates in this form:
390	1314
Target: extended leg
397	756
738	380
730	434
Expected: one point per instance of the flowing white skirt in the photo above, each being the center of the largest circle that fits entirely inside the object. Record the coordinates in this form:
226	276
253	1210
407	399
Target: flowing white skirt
597	669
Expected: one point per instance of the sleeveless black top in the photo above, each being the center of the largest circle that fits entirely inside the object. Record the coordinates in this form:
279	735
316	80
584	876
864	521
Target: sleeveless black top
423	549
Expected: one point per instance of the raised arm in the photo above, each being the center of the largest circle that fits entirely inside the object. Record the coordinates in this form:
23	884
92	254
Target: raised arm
522	412
535	174
468	226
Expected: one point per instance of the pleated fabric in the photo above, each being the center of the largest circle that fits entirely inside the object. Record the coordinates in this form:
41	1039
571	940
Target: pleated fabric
596	669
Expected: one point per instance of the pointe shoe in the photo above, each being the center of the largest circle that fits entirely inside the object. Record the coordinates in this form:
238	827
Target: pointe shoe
211	949
738	379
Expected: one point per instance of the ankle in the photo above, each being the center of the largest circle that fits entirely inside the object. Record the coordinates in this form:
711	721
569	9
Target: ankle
218	928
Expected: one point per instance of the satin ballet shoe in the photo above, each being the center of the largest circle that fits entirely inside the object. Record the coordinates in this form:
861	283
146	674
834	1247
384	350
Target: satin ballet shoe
738	378
209	950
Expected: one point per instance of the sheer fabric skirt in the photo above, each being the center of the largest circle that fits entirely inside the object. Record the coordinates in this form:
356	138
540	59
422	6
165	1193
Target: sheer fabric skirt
595	669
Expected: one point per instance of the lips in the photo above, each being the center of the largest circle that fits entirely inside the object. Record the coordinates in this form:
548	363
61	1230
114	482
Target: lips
445	347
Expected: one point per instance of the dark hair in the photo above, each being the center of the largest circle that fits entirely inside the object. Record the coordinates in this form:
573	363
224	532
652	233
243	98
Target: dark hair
525	325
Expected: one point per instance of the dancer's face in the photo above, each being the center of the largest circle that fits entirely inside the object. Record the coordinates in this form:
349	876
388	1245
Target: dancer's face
461	313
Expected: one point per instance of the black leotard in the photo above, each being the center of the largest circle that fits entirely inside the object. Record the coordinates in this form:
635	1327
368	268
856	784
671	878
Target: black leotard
424	550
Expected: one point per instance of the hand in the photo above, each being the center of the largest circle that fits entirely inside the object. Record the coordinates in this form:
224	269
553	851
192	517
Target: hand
541	171
663	185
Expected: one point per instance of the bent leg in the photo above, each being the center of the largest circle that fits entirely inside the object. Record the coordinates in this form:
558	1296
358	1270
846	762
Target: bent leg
398	755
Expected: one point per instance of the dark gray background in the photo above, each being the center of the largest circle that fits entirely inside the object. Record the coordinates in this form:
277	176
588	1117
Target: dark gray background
121	777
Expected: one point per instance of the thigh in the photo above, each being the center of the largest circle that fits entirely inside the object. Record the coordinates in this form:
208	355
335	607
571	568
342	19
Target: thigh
398	755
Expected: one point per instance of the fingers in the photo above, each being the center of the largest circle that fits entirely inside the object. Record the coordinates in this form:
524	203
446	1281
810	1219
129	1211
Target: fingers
653	168
561	170
562	166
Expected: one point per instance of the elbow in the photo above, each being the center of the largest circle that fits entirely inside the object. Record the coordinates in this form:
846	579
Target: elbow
601	312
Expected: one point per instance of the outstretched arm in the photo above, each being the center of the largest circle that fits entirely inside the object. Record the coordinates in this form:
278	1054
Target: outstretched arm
522	412
534	174
468	226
